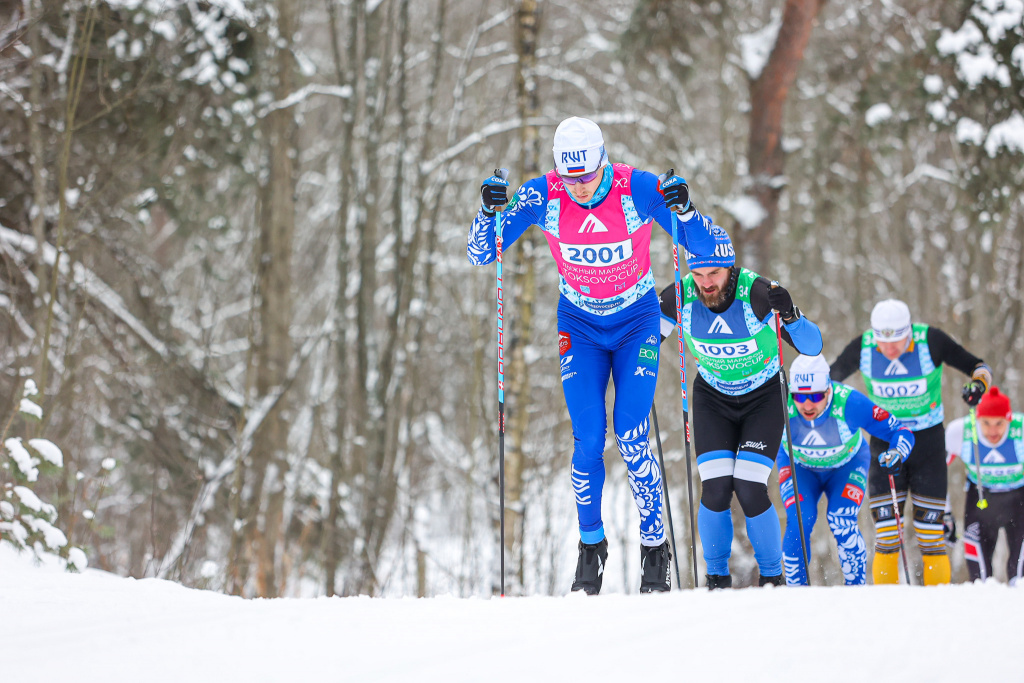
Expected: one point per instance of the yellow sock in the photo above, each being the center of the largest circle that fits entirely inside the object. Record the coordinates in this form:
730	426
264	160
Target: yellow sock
886	568
936	569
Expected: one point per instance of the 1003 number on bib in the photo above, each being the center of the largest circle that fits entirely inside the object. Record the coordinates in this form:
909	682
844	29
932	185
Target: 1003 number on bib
733	350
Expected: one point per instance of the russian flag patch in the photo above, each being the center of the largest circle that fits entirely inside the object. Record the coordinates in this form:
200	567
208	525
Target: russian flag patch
575	169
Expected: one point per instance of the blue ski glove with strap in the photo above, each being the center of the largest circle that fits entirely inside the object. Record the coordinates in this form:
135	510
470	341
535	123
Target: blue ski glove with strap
494	191
891	460
675	191
899	450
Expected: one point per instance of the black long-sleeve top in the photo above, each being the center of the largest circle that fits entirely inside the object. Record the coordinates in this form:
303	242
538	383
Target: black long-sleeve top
941	346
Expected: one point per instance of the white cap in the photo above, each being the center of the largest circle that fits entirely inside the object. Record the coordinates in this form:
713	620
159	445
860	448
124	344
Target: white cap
809	375
890	320
579	147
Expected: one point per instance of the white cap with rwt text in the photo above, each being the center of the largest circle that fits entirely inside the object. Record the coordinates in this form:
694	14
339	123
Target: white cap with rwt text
890	320
809	375
578	147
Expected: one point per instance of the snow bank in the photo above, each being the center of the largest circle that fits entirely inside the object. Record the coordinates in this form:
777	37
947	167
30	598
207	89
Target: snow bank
95	626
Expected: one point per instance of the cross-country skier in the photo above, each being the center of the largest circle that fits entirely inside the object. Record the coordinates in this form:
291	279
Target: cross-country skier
999	441
901	363
832	457
738	419
596	217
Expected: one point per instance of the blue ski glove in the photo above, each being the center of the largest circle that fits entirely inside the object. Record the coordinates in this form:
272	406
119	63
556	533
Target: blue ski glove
902	444
675	191
891	460
494	191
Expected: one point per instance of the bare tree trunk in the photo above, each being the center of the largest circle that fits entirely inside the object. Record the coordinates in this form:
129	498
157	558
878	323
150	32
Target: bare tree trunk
269	461
767	100
521	327
345	75
38	156
377	50
385	482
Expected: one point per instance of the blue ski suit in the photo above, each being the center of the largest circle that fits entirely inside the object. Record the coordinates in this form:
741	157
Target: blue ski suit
608	321
832	457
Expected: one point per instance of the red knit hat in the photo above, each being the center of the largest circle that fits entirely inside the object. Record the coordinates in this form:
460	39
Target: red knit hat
994	404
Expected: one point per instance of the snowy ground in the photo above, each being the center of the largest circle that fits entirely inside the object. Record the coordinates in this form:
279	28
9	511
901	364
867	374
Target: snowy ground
99	627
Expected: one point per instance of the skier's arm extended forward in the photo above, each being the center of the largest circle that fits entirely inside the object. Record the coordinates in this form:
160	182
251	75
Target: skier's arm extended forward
798	331
525	209
861	413
694	228
847	362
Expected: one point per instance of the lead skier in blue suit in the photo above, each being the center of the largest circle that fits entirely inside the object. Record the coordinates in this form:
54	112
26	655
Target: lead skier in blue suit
832	457
597	218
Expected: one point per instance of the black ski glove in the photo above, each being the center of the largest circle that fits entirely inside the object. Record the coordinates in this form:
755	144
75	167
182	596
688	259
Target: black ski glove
949	528
675	190
494	191
780	300
973	391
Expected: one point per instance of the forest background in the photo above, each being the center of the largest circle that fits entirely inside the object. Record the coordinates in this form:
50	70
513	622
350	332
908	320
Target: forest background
232	255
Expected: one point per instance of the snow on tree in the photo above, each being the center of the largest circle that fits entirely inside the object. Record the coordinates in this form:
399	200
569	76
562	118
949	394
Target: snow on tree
26	520
979	93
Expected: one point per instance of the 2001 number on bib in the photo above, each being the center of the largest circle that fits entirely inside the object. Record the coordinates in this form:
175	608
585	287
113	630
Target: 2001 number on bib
597	255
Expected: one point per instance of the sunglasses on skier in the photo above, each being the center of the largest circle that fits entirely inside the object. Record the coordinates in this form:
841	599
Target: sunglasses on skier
585	178
813	398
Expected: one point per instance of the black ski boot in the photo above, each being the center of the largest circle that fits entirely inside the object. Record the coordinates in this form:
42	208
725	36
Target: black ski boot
655	564
717	581
779	580
590	567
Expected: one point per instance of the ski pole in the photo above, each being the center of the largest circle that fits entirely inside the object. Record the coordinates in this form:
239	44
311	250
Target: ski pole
789	442
503	174
899	528
682	386
668	505
982	503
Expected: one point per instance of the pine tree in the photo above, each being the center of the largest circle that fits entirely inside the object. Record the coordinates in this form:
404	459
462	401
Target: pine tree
26	520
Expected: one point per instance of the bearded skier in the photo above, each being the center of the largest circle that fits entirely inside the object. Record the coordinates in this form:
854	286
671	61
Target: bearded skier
729	327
